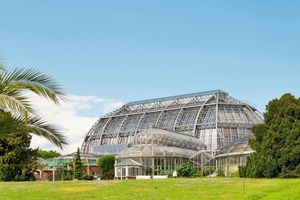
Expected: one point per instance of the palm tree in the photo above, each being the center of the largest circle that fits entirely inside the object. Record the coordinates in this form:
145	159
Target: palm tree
14	87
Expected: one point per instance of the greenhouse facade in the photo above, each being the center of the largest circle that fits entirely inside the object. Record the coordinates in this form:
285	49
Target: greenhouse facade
156	152
230	157
151	132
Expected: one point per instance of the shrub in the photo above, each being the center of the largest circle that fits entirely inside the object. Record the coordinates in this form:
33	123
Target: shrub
192	172
220	173
87	177
208	171
184	169
234	174
199	174
68	175
242	171
296	171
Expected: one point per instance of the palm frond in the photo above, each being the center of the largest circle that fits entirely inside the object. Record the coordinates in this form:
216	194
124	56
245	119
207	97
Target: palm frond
35	81
39	90
40	127
35	125
17	104
13	84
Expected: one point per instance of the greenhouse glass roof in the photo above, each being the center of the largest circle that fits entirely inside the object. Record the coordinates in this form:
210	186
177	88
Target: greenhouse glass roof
128	162
158	143
214	117
238	147
158	136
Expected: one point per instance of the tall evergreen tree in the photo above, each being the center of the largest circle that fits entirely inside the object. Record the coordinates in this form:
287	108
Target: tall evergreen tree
277	140
78	165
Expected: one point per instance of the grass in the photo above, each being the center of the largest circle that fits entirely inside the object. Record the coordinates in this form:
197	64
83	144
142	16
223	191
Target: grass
181	188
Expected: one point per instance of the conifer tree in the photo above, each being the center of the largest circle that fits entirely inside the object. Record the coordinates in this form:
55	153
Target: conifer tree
78	166
17	159
277	140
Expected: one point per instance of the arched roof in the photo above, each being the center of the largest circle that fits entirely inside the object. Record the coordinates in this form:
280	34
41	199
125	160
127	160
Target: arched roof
156	136
213	116
162	143
155	151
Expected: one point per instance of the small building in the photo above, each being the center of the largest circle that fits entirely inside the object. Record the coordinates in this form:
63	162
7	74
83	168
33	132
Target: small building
127	169
54	169
234	154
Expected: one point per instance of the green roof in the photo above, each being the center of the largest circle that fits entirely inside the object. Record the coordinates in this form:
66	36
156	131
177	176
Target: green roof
64	161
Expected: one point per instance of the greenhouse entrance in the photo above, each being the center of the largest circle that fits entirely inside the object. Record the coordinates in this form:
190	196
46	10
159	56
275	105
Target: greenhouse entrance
127	169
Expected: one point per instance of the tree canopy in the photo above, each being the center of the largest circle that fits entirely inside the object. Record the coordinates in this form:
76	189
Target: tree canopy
17	160
47	154
106	165
277	140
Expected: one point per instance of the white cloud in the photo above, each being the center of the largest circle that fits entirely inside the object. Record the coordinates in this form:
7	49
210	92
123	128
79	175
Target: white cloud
108	107
75	117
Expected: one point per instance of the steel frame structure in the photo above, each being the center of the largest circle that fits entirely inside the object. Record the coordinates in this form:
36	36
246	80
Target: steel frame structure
213	116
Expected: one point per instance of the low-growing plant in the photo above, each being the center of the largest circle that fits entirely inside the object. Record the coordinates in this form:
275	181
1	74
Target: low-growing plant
68	175
199	174
87	177
208	171
234	174
220	173
193	172
242	171
184	169
296	171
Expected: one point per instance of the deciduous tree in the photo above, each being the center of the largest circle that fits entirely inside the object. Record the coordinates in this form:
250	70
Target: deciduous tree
106	166
47	154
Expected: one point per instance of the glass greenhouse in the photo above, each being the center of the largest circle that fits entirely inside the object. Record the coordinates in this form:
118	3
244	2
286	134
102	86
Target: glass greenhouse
156	151
231	156
191	127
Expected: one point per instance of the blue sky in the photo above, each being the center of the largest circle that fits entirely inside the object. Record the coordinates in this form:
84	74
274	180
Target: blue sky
130	50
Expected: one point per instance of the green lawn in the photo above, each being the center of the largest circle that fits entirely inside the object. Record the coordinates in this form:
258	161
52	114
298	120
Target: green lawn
181	188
